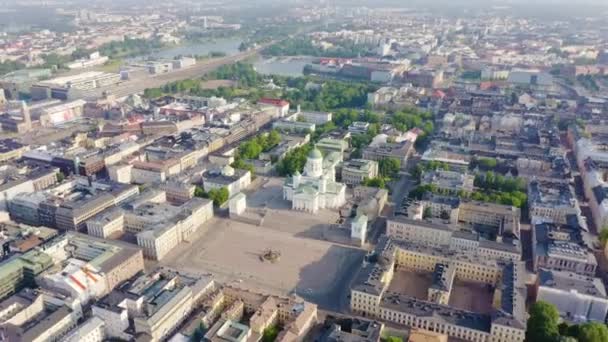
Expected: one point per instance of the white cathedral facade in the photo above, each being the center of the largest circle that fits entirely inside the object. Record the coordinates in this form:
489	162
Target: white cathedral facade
317	187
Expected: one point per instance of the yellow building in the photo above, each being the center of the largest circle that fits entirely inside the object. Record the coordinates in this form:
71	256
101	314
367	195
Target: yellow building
370	296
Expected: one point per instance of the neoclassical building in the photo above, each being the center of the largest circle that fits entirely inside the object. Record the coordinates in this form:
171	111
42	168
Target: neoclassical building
317	187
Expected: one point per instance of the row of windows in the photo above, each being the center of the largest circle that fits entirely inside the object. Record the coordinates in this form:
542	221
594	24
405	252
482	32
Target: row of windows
452	330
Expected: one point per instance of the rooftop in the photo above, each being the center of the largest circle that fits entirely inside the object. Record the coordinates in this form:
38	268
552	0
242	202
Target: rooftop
571	282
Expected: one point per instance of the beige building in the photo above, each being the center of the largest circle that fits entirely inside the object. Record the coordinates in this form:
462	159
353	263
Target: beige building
451	238
370	295
178	192
10	149
356	170
38	317
505	217
296	316
420	335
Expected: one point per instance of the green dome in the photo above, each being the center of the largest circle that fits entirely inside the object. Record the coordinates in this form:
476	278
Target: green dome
315	154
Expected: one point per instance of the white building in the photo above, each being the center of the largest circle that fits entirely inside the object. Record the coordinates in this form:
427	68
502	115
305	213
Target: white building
120	173
238	204
317	118
358	229
317	188
578	298
91	331
235	180
356	170
530	78
78	278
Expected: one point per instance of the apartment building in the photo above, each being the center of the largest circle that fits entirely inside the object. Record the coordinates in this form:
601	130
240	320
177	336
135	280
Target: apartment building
553	203
296	316
92	330
39	316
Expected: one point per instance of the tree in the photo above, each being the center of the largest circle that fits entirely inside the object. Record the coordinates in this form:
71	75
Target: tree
593	332
374	182
250	149
274	138
241	164
60	176
487	163
389	167
542	325
219	196
394	339
270	334
604	236
293	161
198	334
10	66
200	192
427	213
152	93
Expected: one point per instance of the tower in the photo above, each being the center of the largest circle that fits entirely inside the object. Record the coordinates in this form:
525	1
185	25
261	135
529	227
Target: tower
314	164
25	114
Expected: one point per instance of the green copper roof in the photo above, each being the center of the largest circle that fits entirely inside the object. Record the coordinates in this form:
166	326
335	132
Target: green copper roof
315	154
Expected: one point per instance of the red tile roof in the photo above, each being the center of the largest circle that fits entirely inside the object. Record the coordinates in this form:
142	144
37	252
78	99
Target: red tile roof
274	102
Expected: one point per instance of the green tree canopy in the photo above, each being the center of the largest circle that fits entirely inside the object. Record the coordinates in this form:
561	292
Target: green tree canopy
389	167
542	325
377	182
219	196
593	332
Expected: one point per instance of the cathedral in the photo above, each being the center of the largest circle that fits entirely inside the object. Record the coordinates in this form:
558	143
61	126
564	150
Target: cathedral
317	187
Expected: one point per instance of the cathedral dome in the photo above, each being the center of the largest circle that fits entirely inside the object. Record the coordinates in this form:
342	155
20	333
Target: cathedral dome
315	154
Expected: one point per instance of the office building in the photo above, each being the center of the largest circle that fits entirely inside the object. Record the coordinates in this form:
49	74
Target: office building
399	151
355	171
578	298
370	295
151	305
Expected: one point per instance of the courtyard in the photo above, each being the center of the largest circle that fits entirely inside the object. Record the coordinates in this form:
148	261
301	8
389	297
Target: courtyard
411	283
465	295
471	296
